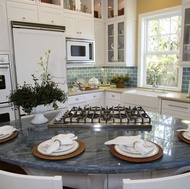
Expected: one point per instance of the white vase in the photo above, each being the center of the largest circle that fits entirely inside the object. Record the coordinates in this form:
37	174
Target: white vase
39	111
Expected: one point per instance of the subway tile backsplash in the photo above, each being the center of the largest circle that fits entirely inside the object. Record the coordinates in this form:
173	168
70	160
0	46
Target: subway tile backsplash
105	73
102	73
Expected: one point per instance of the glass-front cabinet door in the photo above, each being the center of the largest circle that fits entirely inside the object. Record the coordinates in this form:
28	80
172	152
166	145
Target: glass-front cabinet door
116	43
115	8
186	36
51	2
84	6
98	9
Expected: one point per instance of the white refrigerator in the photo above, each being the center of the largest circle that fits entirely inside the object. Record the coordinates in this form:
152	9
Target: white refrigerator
31	41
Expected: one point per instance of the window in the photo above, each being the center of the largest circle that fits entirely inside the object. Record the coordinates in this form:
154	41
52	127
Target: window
159	43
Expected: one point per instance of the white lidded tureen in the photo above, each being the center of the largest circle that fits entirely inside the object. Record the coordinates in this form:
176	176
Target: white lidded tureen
93	82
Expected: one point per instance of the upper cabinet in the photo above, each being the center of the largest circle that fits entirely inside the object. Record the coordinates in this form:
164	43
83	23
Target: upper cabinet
185	47
121	36
4	41
83	6
98	9
115	8
79	20
48	3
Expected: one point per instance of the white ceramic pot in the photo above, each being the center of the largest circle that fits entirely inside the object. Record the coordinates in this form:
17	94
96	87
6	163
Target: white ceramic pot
93	82
39	111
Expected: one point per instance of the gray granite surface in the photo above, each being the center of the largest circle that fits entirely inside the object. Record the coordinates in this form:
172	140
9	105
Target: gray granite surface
97	157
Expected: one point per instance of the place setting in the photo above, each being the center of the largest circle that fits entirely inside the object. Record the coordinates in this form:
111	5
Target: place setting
134	149
184	134
59	147
7	133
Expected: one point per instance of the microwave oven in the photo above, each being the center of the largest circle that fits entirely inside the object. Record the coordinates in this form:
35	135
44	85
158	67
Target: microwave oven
80	50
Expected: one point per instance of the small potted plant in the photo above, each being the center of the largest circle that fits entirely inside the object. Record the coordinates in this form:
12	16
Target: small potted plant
41	96
119	80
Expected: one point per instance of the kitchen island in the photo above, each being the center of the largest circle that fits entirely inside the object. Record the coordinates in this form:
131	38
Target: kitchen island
96	164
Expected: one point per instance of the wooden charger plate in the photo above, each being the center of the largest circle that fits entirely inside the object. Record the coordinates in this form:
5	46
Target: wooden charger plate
15	133
182	137
137	160
61	157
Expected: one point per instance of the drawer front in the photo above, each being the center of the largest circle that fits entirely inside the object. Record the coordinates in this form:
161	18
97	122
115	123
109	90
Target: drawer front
176	106
94	96
76	99
113	96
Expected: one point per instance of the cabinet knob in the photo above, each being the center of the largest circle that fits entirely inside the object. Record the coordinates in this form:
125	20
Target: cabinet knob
52	21
113	95
23	18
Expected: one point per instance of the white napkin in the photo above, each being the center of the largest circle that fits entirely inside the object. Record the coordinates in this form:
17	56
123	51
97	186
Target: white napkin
131	141
61	139
7	130
188	128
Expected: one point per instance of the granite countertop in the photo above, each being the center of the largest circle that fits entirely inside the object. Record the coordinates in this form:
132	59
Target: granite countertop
97	158
167	95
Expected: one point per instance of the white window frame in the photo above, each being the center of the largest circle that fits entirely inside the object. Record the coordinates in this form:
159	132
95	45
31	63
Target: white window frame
142	31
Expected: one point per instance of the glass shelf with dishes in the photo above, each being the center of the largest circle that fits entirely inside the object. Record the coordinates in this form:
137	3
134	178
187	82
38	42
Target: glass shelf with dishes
115	42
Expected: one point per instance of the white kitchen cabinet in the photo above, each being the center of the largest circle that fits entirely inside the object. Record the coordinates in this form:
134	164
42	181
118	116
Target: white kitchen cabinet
112	99
51	16
121	42
48	3
90	99
22	12
95	99
185	40
98	9
120	8
4	40
176	109
79	25
99	36
83	6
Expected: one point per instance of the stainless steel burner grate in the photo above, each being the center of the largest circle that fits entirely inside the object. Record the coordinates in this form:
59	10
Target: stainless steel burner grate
120	116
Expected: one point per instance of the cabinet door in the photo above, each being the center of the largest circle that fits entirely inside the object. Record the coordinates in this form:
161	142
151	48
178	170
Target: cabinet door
23	12
51	16
84	6
116	42
185	55
98	9
79	25
4	41
71	23
86	26
115	8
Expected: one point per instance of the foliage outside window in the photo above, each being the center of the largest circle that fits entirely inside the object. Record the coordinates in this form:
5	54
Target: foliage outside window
160	44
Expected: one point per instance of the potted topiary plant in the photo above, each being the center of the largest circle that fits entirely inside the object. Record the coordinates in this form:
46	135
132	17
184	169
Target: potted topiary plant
41	96
119	80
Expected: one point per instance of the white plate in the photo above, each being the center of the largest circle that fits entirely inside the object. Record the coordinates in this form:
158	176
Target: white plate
63	150
2	136
82	81
186	135
132	150
152	153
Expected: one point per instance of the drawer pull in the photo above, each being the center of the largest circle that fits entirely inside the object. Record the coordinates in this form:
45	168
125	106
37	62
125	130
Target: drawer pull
76	99
113	95
94	96
177	106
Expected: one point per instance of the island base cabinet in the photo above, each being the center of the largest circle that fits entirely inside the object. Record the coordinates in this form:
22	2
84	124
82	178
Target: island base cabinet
176	109
99	181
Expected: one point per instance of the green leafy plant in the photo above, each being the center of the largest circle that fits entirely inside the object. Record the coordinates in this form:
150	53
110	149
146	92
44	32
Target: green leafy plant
119	79
44	91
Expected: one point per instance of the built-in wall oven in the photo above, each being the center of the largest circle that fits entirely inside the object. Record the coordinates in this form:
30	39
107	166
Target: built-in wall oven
6	109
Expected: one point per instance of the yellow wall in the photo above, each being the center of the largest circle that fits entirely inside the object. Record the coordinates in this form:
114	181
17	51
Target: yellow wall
144	6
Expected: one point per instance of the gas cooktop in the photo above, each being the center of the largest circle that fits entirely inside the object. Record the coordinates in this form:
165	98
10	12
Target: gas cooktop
118	116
